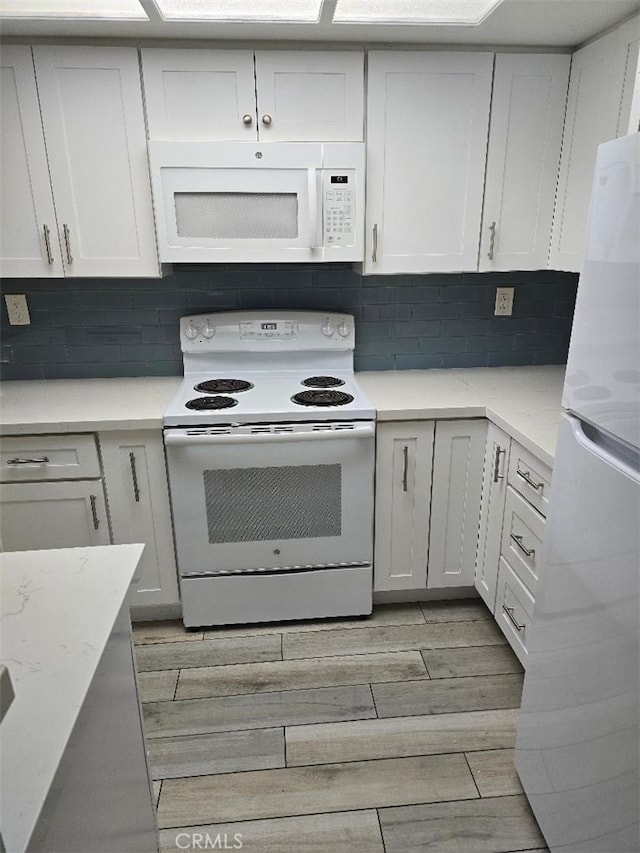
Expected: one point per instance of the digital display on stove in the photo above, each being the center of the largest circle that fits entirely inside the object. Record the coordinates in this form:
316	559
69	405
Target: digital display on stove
269	327
339	179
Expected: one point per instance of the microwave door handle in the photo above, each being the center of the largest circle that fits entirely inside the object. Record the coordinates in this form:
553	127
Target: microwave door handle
312	182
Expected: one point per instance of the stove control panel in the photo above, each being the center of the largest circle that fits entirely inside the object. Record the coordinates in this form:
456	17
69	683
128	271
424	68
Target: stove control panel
264	331
258	330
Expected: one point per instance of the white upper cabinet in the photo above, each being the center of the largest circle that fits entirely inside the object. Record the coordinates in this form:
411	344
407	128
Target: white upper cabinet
295	96
427	126
28	232
527	116
594	115
91	106
629	119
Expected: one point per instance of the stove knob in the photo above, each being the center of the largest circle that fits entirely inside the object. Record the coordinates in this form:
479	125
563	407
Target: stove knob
328	329
209	331
343	330
191	332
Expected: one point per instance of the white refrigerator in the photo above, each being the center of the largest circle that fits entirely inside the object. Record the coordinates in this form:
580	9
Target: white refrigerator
578	741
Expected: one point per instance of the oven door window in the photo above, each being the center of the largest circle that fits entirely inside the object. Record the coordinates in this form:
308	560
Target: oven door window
257	504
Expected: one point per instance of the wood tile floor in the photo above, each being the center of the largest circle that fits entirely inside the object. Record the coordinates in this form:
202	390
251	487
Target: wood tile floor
392	734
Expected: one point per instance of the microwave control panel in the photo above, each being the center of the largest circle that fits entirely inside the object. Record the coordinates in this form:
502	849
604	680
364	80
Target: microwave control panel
339	200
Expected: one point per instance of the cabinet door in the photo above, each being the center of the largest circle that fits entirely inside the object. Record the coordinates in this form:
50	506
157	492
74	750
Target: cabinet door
91	105
308	96
199	94
404	455
427	125
137	492
494	490
28	232
527	116
53	515
458	458
593	105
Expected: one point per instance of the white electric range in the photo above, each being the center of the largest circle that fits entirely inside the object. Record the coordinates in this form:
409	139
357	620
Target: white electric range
270	450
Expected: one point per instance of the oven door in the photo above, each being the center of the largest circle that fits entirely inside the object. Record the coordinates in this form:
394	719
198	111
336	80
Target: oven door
280	497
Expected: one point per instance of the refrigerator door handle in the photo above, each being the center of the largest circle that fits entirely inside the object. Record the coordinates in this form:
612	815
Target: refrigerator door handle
612	451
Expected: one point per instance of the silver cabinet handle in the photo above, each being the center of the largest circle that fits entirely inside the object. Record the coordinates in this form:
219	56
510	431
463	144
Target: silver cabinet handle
509	612
20	461
492	240
94	512
496	464
247	119
526	476
405	468
67	242
266	119
134	476
47	243
529	552
374	253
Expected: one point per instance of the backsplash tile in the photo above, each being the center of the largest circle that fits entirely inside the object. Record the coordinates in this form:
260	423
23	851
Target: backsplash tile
84	328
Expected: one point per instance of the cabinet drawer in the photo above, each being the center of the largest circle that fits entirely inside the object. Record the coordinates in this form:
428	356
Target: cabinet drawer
48	457
522	537
514	610
530	477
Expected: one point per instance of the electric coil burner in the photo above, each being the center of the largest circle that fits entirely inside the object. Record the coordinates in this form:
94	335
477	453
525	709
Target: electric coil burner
223	386
271	483
322	382
207	404
321	397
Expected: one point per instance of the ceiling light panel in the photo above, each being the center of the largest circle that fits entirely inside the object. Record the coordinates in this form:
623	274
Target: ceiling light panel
229	11
85	10
464	12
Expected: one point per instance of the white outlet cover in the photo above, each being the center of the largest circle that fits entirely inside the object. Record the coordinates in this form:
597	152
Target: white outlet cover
17	309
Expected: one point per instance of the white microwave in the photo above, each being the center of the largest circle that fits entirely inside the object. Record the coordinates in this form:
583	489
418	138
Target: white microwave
226	202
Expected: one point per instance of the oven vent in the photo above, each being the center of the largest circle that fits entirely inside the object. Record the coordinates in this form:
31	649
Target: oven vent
271	430
332	427
222	430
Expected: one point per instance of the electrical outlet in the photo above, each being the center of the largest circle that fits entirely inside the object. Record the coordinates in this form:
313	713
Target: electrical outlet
504	302
17	309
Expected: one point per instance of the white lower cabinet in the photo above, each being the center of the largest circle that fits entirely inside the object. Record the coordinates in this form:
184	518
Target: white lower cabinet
428	484
494	492
39	515
51	493
514	609
404	458
455	502
520	515
135	477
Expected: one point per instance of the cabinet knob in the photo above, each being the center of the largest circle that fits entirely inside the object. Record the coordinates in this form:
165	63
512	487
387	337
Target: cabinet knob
247	120
266	119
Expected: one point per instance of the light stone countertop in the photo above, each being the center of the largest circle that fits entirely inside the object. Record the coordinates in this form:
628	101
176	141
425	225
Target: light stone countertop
57	610
524	401
39	407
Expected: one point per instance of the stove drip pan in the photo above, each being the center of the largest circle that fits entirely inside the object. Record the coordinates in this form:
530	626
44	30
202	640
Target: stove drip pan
223	386
322	382
203	404
322	398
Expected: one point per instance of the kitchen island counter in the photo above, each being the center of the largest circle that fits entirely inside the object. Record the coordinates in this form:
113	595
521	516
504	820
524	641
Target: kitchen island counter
65	639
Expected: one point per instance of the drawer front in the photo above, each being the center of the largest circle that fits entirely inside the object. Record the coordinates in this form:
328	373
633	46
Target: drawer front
530	477
522	537
48	457
514	610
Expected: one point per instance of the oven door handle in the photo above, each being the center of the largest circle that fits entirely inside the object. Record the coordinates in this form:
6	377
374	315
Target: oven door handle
185	438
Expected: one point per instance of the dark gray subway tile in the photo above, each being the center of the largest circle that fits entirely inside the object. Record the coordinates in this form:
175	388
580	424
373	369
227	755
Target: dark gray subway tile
21	371
426	361
86	354
417	328
380	362
35	354
464	359
416	293
509	359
